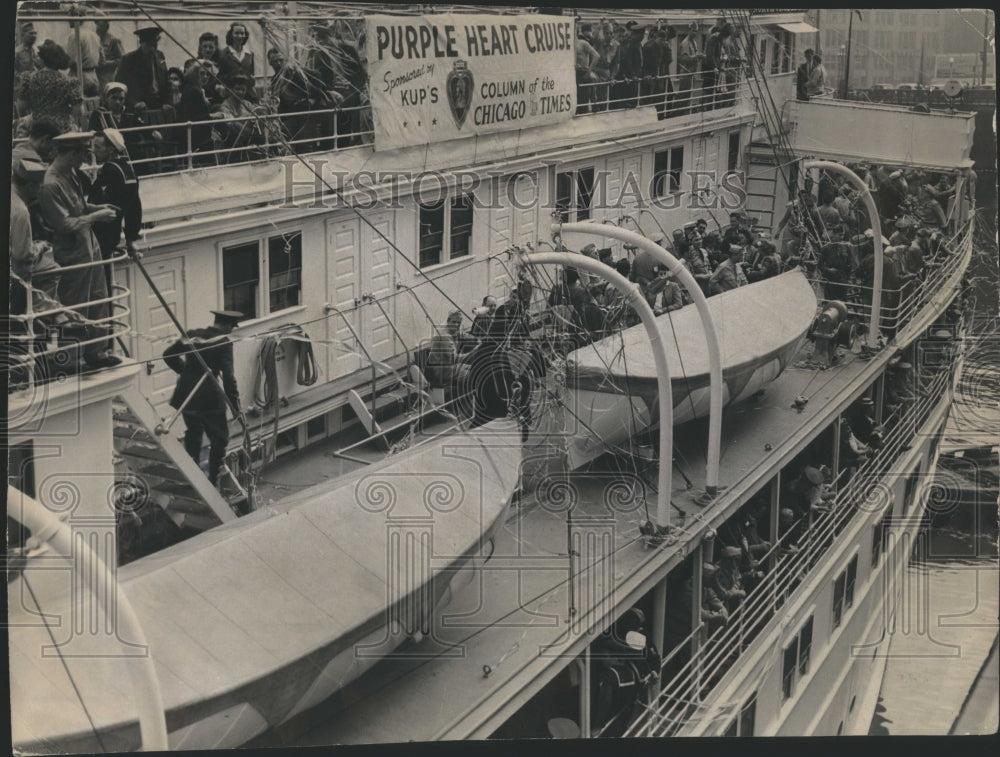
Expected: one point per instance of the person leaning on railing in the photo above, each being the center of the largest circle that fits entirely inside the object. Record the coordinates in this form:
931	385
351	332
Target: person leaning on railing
587	58
66	211
116	185
289	90
33	270
195	107
243	128
338	75
688	62
625	90
712	70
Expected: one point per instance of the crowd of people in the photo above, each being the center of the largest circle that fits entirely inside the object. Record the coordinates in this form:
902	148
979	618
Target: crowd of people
829	230
317	104
627	65
244	108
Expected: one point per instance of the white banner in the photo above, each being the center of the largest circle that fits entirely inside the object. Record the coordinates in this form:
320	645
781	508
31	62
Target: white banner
440	77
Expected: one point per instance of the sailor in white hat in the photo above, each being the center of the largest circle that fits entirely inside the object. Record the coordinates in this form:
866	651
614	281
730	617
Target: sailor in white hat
117	185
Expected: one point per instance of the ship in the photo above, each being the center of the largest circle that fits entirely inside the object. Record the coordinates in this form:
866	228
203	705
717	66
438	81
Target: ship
533	560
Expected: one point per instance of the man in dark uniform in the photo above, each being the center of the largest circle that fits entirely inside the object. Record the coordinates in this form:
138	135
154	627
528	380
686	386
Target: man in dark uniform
144	72
116	185
802	76
835	264
630	67
205	411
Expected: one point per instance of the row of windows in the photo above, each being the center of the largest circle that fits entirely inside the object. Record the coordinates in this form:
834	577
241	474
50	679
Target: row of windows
265	276
903	18
796	656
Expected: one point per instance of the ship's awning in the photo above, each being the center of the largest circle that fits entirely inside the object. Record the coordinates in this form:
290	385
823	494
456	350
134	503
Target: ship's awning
798	27
893	135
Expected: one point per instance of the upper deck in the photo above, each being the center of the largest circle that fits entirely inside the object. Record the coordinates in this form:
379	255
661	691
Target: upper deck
400	115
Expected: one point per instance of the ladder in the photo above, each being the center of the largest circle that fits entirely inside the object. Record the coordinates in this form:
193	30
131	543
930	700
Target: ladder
176	482
770	115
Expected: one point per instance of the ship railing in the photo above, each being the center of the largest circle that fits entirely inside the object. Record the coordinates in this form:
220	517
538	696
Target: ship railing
49	335
900	304
673	95
684	696
164	148
168	147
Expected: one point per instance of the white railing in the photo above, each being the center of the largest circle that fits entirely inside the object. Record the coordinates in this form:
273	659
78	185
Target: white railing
174	146
37	336
672	95
684	698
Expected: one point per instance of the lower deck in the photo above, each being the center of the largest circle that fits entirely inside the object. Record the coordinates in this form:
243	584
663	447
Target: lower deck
533	608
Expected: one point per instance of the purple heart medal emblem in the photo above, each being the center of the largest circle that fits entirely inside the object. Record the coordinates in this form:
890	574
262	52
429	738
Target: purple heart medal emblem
459	87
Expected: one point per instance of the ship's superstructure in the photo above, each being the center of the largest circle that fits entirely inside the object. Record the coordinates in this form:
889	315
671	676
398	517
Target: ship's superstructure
346	233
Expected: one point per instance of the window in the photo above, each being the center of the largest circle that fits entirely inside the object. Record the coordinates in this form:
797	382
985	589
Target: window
241	278
852	579
796	658
911	485
883	41
284	271
805	646
742	724
843	591
241	275
878	541
734	151
455	216
788	669
575	194
668	165
908	40
763	52
783	53
908	19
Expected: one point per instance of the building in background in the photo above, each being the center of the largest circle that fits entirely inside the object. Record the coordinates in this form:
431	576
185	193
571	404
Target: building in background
904	46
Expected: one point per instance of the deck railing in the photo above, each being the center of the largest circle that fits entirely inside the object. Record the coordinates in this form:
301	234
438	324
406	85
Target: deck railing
685	696
672	95
40	341
900	304
165	147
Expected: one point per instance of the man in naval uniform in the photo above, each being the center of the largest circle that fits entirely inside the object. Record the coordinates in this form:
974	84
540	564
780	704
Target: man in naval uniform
205	411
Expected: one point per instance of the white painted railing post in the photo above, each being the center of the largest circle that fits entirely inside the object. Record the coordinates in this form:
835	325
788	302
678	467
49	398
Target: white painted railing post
46	527
634	299
711	336
871	339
